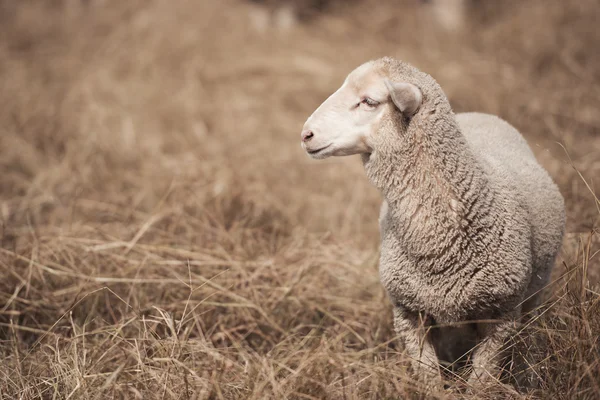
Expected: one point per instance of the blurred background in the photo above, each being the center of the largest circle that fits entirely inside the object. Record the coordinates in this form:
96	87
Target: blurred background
163	235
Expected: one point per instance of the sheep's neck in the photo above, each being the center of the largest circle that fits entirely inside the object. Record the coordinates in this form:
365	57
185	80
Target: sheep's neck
429	182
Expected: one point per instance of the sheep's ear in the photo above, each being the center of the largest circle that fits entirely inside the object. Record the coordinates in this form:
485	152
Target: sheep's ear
407	97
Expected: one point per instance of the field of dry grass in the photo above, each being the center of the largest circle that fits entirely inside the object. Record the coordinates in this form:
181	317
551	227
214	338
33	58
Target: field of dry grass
163	235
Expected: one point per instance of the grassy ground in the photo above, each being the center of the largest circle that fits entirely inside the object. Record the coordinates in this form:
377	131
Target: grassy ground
162	234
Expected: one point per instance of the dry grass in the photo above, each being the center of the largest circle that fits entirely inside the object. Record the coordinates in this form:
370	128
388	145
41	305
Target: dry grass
163	235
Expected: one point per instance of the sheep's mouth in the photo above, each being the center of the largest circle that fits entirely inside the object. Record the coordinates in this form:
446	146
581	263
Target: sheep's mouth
317	151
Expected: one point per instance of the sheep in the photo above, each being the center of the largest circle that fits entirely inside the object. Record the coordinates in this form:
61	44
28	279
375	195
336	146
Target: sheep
470	224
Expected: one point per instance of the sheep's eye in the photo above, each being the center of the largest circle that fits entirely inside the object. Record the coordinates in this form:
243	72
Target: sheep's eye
370	102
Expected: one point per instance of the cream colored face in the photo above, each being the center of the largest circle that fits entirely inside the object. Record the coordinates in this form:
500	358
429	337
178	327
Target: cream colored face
343	124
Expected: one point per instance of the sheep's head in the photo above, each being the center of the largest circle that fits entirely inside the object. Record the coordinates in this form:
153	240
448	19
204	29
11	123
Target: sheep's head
347	122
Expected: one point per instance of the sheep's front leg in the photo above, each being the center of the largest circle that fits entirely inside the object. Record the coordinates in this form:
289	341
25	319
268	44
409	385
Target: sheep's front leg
489	354
413	331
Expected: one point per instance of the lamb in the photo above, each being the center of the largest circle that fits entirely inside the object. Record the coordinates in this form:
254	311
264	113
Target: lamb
470	224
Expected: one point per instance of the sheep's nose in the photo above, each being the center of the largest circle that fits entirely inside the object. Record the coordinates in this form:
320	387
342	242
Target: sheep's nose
307	135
